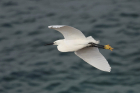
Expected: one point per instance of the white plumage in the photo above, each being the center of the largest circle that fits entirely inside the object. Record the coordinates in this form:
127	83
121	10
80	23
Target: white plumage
68	32
75	41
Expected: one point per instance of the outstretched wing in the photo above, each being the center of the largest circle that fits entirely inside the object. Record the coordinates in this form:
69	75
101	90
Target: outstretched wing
92	56
68	32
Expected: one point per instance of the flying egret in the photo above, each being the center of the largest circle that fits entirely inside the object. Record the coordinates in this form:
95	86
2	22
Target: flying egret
85	48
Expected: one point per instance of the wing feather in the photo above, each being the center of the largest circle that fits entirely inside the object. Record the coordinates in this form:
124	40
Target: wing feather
68	32
92	56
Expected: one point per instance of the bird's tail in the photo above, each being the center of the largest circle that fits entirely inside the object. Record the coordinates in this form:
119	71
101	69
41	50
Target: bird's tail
91	39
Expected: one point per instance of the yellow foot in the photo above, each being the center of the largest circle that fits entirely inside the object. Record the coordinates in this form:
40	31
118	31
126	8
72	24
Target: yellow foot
108	47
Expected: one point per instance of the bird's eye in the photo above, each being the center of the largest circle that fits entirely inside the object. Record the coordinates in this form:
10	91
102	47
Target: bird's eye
55	42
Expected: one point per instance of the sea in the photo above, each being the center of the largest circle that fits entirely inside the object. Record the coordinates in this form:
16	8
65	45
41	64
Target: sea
28	66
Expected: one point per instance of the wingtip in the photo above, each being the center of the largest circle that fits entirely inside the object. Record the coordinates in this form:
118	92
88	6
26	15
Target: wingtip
109	70
49	26
56	26
106	70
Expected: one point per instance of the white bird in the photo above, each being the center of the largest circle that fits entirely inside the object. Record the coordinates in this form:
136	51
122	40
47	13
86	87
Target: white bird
85	48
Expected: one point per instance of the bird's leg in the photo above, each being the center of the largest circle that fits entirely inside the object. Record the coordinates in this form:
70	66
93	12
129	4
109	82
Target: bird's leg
100	46
91	44
95	45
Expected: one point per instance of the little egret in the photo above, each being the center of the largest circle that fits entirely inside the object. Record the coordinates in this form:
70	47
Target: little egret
85	48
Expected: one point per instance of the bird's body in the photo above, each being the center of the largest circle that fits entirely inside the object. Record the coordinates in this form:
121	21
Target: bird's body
84	47
74	45
71	45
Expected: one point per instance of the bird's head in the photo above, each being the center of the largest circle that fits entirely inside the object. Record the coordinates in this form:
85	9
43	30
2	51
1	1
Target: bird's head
57	42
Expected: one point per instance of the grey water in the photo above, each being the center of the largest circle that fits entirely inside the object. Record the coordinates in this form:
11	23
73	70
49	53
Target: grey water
27	66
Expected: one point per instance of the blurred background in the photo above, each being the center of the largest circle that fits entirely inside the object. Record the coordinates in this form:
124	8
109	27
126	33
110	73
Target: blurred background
27	66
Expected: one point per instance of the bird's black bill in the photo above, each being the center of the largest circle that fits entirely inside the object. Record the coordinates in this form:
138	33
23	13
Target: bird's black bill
49	44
